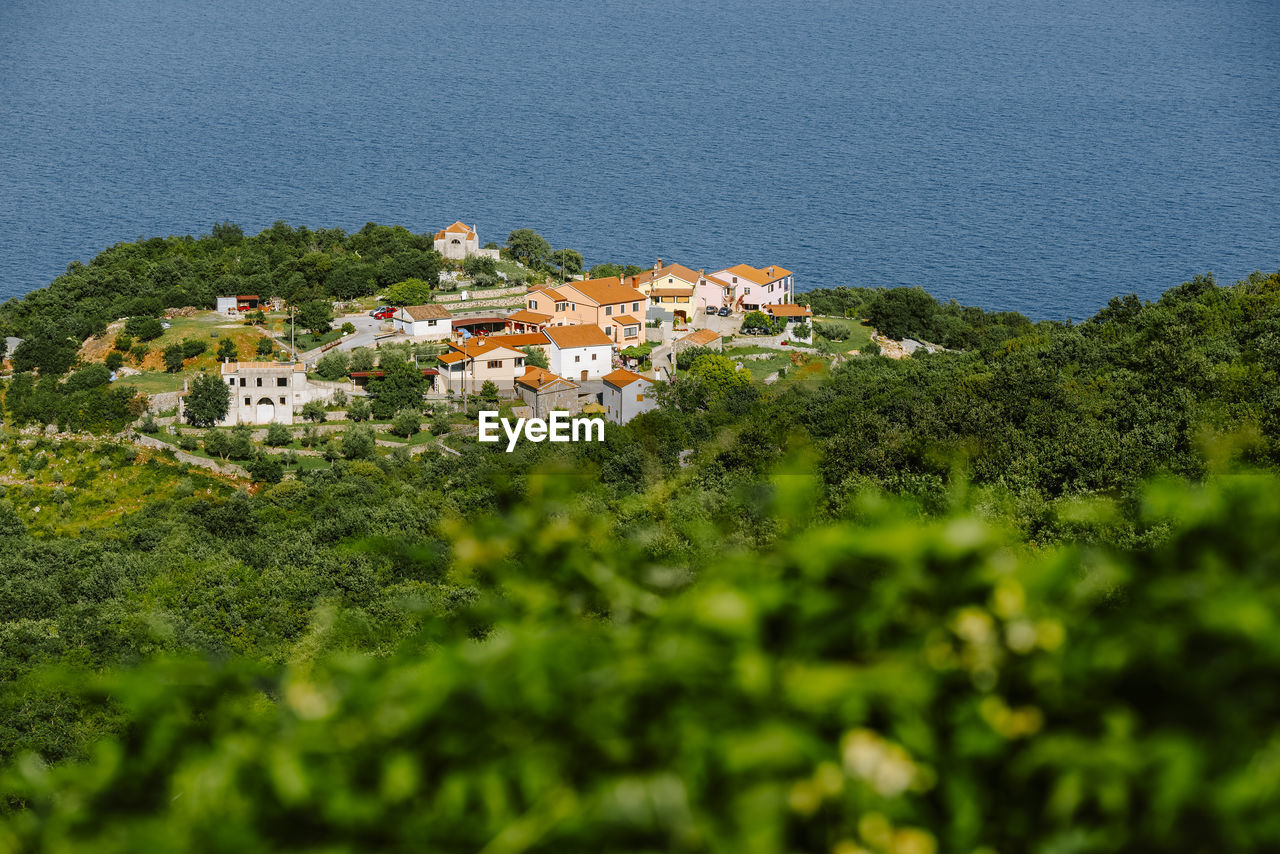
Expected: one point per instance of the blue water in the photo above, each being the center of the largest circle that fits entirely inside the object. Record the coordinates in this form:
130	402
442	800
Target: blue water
1038	155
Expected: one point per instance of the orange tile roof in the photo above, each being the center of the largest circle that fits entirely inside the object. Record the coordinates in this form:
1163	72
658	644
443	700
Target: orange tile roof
581	335
678	270
760	277
538	378
426	312
626	320
474	347
460	227
553	294
524	315
701	337
621	378
608	291
518	339
232	367
669	292
788	309
451	357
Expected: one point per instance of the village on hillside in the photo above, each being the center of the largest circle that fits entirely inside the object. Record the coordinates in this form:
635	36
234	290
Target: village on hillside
491	334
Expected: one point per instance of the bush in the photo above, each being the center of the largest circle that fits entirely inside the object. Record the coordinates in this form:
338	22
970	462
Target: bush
348	328
278	435
362	359
192	347
332	365
359	409
148	424
831	331
406	422
143	328
266	468
265	347
173	356
871	348
227	350
339	398
114	360
139	352
123	342
187	441
358	443
313	410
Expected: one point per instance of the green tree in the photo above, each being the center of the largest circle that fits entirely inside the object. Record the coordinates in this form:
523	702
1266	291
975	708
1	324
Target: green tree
400	387
192	347
47	350
265	347
480	265
316	316
409	292
123	342
358	443
173	358
313	410
144	328
406	422
719	375
529	248
139	352
568	261
362	359
278	435
207	401
227	351
266	468
359	409
333	365
114	360
217	444
904	313
536	357
240	442
348	328
489	392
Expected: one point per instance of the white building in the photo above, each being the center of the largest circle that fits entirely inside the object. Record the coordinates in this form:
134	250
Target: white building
626	395
266	392
428	322
581	352
459	240
746	288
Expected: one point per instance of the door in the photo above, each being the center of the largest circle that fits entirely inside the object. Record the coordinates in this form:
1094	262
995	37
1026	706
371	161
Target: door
584	375
266	411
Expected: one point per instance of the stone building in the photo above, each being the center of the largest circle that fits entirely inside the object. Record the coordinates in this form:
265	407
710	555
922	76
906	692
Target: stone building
459	240
267	392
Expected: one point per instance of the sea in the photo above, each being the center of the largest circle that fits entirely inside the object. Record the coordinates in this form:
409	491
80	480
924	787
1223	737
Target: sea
1030	155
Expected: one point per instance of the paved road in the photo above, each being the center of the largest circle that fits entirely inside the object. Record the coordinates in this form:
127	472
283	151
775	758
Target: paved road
367	329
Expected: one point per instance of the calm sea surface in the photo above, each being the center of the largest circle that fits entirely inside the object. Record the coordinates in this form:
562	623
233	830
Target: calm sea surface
1038	155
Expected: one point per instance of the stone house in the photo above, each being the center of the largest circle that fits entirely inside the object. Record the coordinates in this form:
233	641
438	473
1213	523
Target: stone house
544	392
267	392
459	240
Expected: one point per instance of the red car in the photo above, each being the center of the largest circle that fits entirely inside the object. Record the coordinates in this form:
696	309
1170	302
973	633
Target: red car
384	313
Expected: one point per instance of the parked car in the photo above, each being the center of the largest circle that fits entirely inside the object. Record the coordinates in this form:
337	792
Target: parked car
724	312
385	313
711	309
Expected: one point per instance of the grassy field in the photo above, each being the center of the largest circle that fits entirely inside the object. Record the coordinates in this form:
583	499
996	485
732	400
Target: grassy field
761	368
860	333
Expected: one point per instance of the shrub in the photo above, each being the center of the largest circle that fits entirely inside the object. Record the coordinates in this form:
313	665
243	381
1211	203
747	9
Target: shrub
266	468
173	356
348	328
278	435
332	365
114	360
148	424
406	422
313	410
265	347
358	443
192	347
831	331
359	409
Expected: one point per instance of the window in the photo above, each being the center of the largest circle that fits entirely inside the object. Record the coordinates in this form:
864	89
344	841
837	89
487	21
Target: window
577	358
668	299
496	363
630	331
593	357
519	363
259	382
282	382
682	299
246	402
562	306
533	303
431	323
242	382
231	381
608	310
639	398
282	400
735	280
635	306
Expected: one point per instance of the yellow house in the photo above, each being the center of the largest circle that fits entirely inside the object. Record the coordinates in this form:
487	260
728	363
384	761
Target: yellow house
671	288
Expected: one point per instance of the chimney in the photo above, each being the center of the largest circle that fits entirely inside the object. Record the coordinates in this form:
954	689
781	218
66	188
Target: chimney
658	266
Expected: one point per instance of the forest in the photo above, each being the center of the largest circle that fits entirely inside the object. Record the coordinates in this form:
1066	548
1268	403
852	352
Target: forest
1019	595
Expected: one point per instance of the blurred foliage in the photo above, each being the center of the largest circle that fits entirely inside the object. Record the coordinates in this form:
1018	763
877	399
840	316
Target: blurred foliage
898	685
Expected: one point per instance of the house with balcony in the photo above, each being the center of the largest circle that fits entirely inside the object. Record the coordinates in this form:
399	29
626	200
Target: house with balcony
749	287
615	308
468	364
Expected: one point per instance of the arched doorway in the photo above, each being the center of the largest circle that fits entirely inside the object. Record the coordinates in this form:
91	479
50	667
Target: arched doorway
266	412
